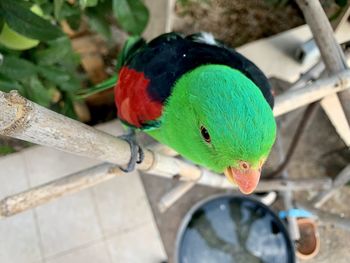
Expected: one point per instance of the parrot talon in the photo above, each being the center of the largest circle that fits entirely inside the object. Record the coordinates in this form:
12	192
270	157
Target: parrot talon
137	154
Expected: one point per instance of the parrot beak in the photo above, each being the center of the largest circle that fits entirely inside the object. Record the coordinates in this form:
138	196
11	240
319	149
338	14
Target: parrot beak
245	177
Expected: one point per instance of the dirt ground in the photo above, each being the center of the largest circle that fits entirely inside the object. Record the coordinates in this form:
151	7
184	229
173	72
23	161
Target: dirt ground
236	22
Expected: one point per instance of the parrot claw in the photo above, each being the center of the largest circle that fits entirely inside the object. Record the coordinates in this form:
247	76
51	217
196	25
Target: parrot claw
137	154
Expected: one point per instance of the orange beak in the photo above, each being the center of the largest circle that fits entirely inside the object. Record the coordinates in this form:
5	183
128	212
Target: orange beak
245	177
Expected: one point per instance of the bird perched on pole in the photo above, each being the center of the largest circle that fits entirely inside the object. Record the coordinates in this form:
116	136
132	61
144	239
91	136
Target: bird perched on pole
206	101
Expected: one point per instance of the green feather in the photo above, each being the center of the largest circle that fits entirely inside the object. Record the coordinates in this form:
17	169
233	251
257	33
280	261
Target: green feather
230	106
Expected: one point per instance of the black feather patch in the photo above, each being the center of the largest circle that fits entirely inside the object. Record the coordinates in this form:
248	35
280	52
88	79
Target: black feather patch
166	58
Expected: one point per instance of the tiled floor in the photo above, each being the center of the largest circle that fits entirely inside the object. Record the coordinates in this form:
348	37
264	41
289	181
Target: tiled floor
109	223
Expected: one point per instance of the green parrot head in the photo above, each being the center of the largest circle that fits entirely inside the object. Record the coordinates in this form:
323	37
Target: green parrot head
218	118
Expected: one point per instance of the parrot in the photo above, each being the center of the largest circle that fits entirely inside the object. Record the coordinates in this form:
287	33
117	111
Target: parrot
201	98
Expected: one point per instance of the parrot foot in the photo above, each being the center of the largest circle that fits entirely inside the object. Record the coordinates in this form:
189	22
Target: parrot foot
137	154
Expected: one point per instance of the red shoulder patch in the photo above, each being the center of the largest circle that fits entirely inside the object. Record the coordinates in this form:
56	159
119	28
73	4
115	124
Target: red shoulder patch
134	104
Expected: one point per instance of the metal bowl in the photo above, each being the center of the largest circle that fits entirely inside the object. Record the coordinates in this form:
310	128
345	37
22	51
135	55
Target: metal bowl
233	229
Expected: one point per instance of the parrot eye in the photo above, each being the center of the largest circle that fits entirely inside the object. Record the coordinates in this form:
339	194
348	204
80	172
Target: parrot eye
205	134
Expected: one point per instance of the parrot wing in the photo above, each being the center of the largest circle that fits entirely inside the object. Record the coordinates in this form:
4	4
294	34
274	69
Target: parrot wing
148	76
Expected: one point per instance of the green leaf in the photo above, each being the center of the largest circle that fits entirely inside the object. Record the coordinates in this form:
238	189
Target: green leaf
6	85
6	149
68	10
2	22
39	2
57	50
74	21
132	15
57	6
98	23
87	3
68	107
27	23
341	3
16	68
54	74
38	93
66	81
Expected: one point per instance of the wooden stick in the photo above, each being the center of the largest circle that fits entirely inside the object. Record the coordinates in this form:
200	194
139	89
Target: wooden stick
170	198
293	99
323	34
22	119
330	50
76	182
342	178
50	191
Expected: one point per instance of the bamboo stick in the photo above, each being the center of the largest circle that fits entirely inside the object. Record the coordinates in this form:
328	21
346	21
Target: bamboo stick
174	195
76	182
323	34
22	119
342	178
315	91
50	191
330	50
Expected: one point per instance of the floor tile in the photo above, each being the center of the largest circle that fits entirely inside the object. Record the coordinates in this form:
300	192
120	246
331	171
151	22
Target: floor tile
141	244
74	228
68	223
12	175
96	253
122	203
45	164
19	242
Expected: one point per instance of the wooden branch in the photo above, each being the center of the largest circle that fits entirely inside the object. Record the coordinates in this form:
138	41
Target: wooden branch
76	182
342	178
335	113
310	75
209	178
50	191
174	195
323	34
296	98
22	119
330	50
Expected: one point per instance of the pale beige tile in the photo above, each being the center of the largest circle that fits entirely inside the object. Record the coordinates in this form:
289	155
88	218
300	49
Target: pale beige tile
12	175
141	244
122	203
19	242
18	238
96	253
45	164
68	223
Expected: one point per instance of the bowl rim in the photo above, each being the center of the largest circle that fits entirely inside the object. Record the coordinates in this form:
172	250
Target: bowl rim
186	219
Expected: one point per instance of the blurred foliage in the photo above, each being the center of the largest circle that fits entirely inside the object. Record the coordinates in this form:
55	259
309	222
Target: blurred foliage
5	149
36	56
